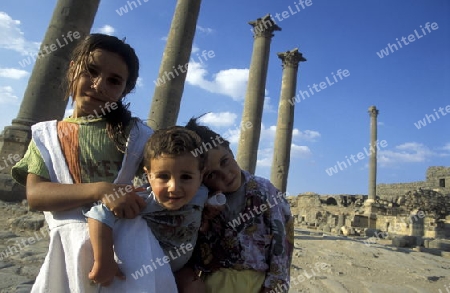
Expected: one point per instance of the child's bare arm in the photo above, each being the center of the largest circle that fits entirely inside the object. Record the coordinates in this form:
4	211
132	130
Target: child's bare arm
105	267
44	195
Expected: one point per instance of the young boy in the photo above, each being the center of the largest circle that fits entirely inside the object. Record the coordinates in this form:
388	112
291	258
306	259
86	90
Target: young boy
174	206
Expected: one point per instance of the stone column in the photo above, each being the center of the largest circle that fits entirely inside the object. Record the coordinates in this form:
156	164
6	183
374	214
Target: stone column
285	123
44	97
373	112
263	29
173	70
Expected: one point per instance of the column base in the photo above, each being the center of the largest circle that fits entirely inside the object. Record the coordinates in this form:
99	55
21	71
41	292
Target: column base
369	202
14	142
10	190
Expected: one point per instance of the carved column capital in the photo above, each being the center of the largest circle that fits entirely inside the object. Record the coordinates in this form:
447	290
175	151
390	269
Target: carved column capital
291	58
373	112
264	27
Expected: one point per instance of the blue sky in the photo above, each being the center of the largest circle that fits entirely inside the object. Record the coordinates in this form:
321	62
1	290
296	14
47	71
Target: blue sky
412	81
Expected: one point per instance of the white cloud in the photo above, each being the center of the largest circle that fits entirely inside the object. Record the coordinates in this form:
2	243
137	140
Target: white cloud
7	95
265	155
140	82
228	82
307	135
268	108
300	151
195	48
13	73
205	30
232	135
267	133
446	147
12	38
106	29
224	119
164	38
409	152
221	119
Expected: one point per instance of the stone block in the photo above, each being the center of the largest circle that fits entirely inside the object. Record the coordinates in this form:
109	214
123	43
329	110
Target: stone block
10	190
399	242
326	228
404	241
441	244
370	232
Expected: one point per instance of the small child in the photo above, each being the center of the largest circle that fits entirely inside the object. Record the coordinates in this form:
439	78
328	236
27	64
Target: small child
174	206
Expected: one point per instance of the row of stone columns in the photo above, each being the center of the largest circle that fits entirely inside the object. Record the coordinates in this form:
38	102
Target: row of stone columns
44	84
44	87
247	151
263	29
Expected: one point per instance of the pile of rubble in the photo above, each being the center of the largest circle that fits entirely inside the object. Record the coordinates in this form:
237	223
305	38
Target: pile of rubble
434	204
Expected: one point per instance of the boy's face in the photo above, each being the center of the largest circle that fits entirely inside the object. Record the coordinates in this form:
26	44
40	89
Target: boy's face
174	179
222	171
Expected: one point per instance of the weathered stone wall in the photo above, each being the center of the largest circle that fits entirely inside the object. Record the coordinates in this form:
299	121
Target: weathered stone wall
414	225
433	176
395	190
393	225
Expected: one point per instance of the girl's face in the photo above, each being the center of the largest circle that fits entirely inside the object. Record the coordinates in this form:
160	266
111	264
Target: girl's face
222	171
103	84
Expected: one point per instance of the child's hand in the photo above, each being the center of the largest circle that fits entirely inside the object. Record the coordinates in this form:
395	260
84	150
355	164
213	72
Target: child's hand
103	272
122	200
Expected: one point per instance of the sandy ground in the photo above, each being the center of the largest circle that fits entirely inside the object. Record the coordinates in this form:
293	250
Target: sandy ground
321	263
342	264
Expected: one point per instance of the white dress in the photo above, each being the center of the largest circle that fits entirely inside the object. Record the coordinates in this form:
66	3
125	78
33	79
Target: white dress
70	257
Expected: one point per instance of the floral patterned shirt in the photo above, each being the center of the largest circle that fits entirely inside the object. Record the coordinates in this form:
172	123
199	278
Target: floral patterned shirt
260	238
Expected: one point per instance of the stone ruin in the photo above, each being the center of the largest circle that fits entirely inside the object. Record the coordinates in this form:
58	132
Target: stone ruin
420	217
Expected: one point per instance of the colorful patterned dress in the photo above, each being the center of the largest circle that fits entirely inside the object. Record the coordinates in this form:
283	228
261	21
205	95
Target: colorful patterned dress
259	238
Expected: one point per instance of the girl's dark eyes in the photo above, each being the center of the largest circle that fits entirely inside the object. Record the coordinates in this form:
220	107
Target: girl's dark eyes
224	161
94	73
186	177
115	81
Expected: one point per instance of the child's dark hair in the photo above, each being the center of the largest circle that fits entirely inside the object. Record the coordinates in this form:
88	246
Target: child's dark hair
174	141
206	134
118	119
